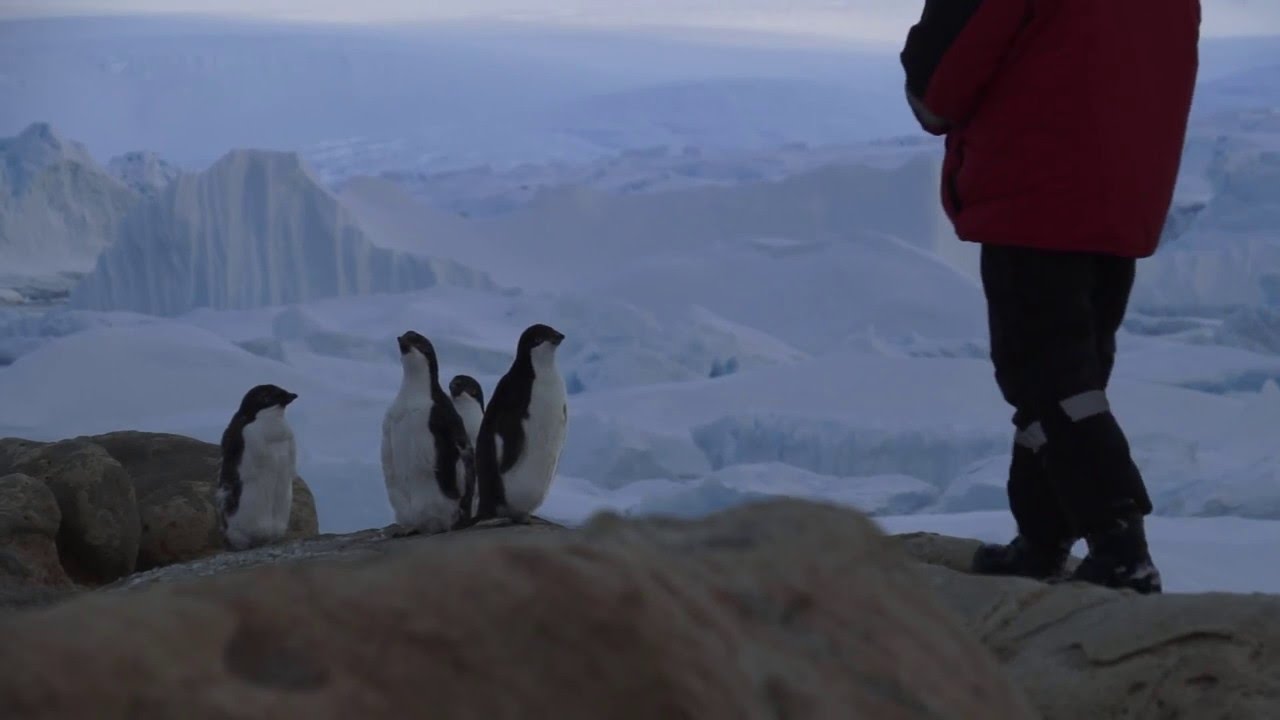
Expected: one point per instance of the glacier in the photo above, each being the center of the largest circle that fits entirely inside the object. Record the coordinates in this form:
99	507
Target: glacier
256	228
58	209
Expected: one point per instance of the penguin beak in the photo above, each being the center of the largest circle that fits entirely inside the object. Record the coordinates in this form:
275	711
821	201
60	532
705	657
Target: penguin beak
557	339
403	343
289	398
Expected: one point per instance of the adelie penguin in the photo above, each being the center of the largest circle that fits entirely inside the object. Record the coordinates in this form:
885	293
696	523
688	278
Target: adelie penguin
428	462
523	431
468	400
255	481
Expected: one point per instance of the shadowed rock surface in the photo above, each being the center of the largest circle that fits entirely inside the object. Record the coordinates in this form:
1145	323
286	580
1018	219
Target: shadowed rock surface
348	548
98	529
29	520
781	610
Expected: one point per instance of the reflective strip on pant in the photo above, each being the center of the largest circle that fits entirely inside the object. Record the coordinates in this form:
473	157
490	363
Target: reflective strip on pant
1086	405
1032	438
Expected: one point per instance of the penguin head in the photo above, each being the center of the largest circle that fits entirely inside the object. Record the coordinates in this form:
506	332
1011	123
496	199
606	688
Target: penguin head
264	397
538	345
466	385
417	352
540	335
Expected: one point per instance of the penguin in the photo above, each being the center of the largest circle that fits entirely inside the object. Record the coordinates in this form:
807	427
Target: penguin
523	430
254	493
428	463
468	398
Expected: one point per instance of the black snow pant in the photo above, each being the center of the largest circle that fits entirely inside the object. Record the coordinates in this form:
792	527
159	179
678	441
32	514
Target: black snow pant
1053	320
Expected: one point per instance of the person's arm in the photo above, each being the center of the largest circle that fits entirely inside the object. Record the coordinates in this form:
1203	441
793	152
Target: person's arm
953	52
931	123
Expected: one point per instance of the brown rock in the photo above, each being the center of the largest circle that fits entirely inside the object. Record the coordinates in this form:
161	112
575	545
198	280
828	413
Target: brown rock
946	551
18	595
157	460
785	609
29	521
12	448
98	536
179	523
174	477
304	522
1085	652
934	549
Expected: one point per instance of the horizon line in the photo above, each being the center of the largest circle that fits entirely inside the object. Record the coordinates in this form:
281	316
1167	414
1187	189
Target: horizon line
759	31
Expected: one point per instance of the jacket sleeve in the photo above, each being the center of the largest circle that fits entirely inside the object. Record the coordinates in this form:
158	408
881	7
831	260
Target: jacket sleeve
953	52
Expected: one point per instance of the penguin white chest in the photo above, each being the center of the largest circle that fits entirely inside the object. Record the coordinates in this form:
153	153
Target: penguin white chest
409	467
526	484
469	409
267	469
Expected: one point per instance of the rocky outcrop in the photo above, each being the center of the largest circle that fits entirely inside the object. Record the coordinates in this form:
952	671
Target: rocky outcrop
780	610
948	552
1084	652
98	531
128	501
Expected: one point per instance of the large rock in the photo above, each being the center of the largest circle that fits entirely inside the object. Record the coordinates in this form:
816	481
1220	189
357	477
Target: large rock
163	509
949	552
29	521
174	478
99	531
785	609
12	448
1085	652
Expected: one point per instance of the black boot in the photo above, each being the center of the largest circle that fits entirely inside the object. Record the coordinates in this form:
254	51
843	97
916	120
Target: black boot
1044	540
1119	558
1022	558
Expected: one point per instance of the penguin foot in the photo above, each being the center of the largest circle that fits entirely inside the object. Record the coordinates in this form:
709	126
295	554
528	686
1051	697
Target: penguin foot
464	523
398	531
521	519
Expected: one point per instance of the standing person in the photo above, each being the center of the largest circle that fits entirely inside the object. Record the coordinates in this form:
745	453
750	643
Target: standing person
1064	124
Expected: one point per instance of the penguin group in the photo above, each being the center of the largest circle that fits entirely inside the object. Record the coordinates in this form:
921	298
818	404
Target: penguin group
449	461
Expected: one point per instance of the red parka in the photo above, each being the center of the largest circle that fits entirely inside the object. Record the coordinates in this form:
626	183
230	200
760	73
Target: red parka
1065	119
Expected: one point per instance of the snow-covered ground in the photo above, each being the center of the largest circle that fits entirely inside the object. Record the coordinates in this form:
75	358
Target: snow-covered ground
646	407
760	296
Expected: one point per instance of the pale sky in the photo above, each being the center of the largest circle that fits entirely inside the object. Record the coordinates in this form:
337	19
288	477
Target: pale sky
864	19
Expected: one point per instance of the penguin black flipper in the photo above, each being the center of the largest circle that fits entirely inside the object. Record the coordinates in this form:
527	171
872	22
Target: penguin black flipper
229	487
499	442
